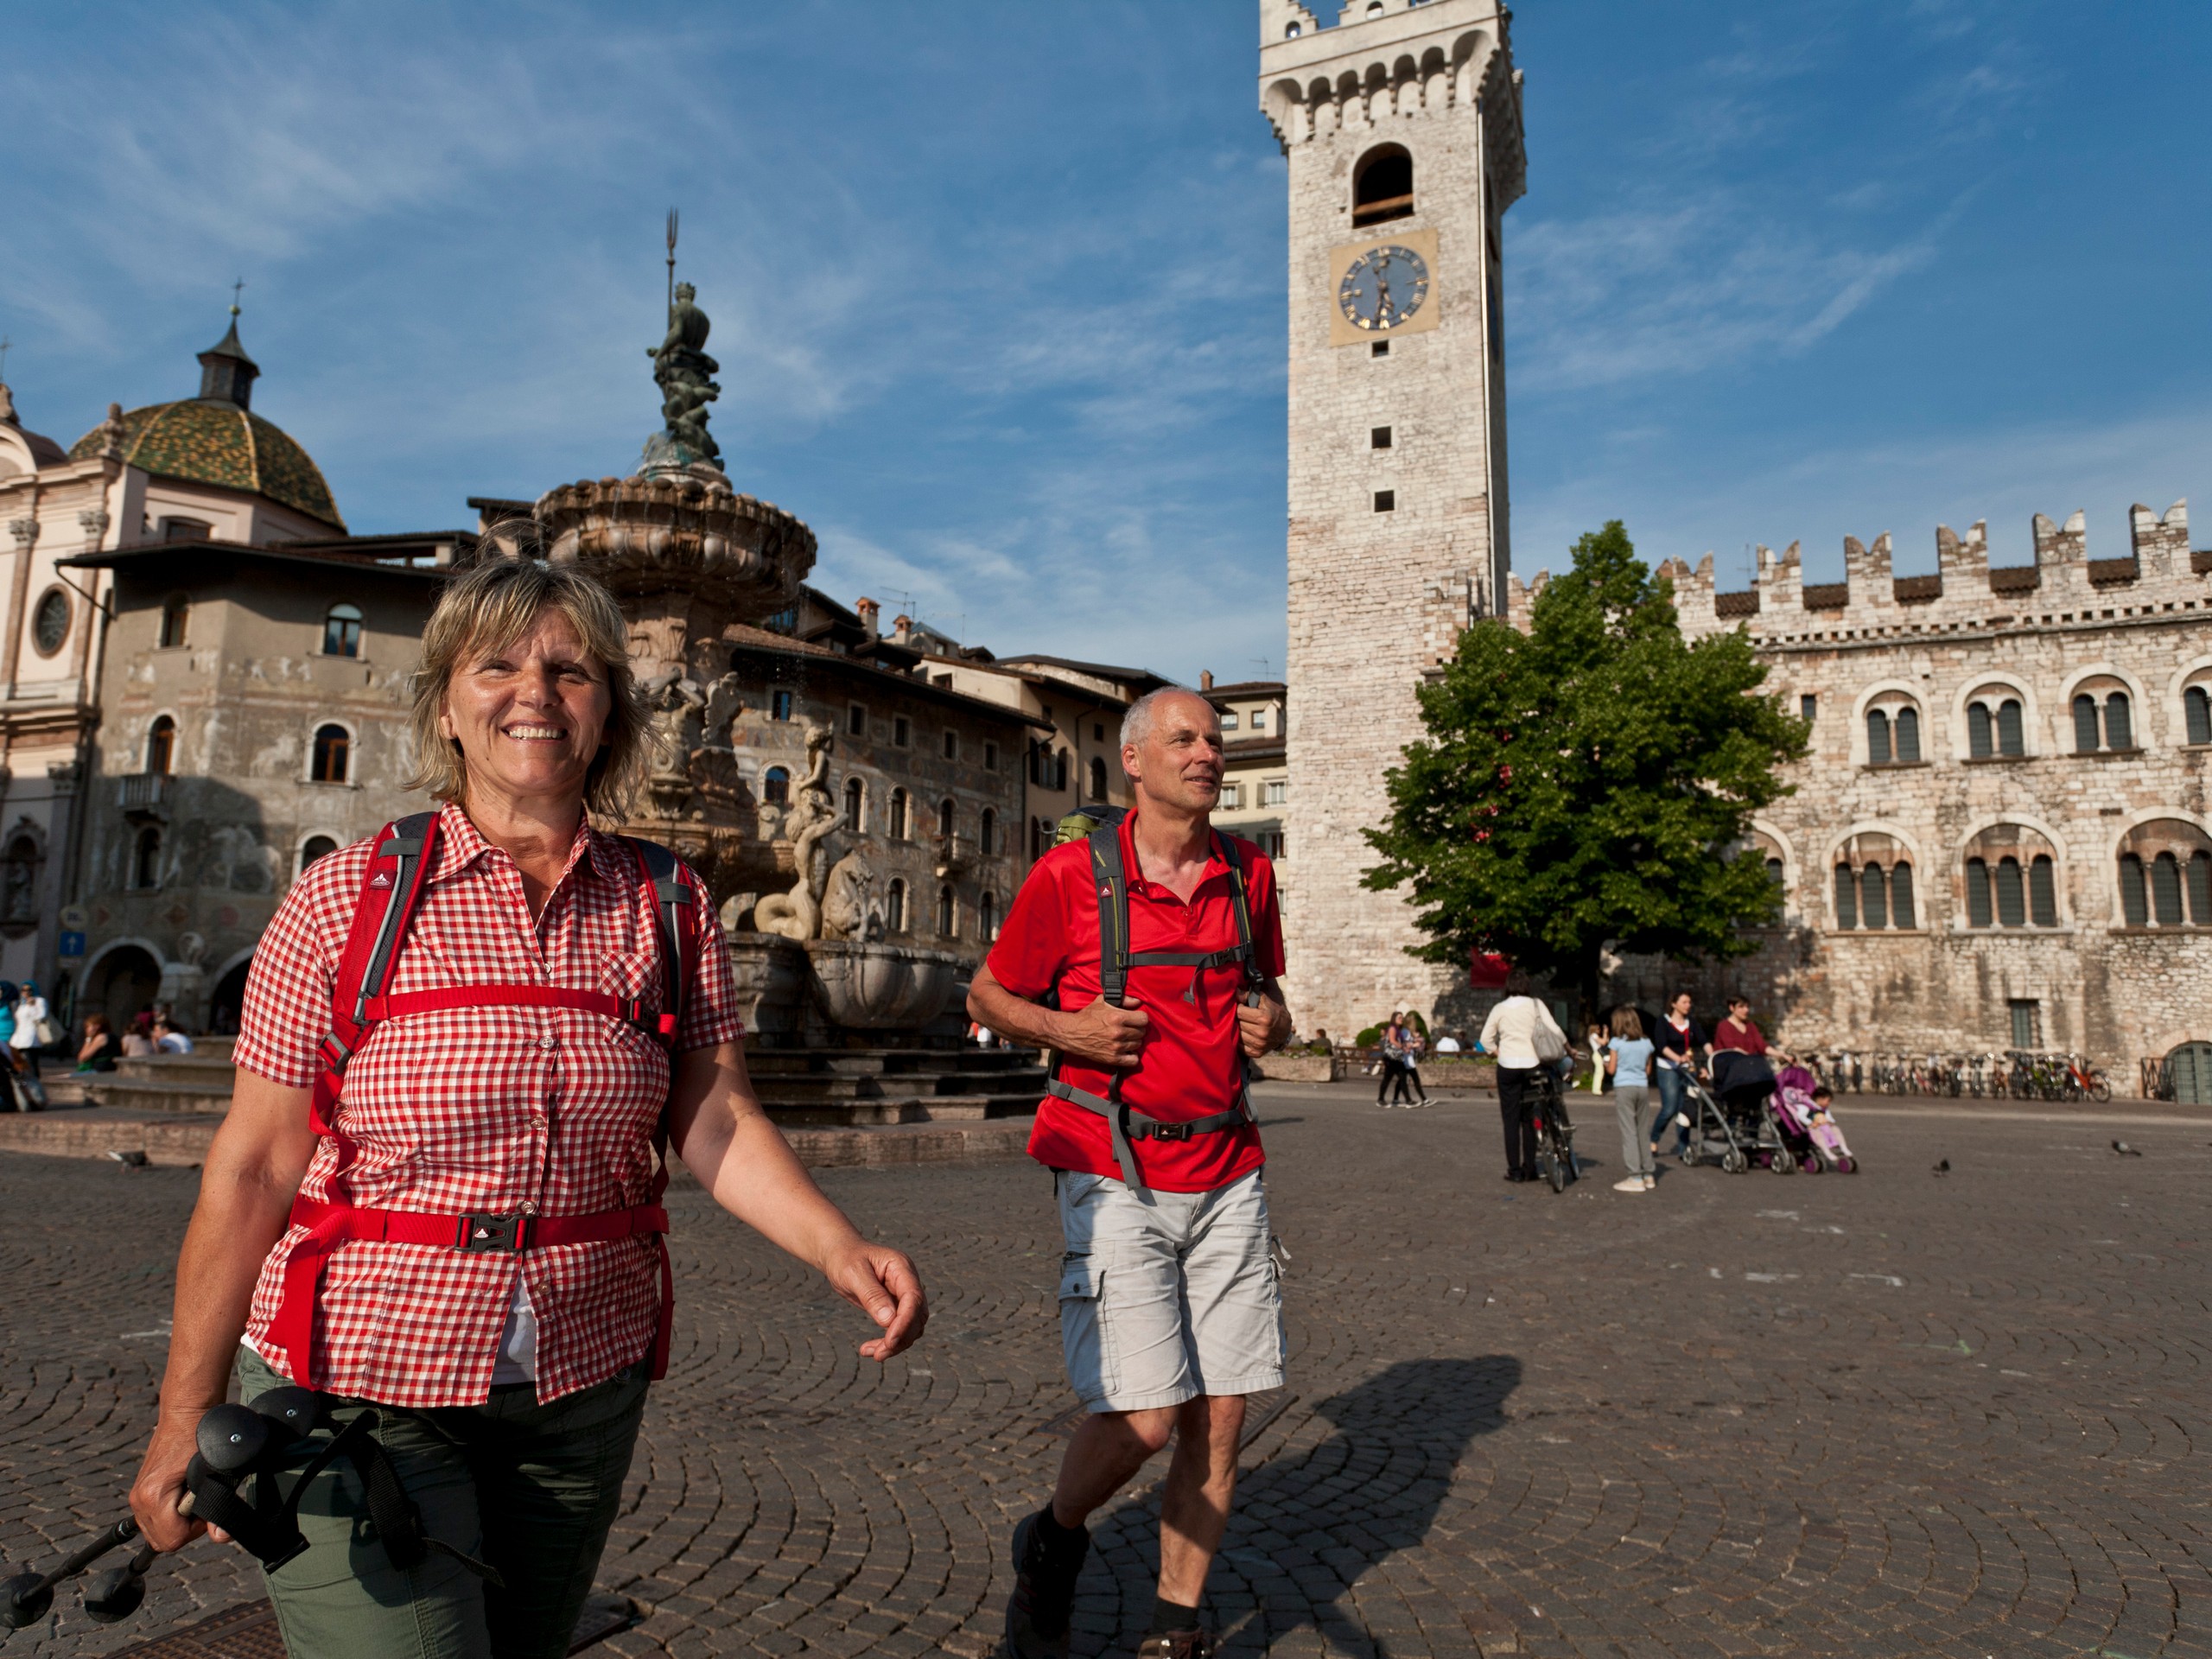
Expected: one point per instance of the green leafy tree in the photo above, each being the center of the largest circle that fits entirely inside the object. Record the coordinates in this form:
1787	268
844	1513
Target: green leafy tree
1590	783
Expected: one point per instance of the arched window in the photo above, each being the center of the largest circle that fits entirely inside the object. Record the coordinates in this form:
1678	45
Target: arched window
1907	727
1873	897
2043	892
1382	186
1981	737
2085	724
1978	908
2012	901
2196	710
1847	896
2166	874
899	830
341	632
146	865
2010	739
2134	902
2165	890
314	847
176	612
160	744
2120	721
775	787
1097	778
987	916
986	832
1774	872
894	907
1060	769
1877	737
945	815
856	805
1901	911
332	750
948	913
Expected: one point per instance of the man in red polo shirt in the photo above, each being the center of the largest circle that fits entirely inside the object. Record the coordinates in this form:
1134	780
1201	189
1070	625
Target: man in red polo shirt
1170	1308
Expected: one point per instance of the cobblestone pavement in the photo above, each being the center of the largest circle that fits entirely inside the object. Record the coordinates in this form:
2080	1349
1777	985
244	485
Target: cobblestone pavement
1882	1414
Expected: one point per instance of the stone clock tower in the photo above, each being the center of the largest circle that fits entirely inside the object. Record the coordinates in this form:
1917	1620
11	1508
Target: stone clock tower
1401	124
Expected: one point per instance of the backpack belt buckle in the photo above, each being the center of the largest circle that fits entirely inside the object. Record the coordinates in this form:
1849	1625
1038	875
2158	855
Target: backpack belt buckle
1168	1131
508	1233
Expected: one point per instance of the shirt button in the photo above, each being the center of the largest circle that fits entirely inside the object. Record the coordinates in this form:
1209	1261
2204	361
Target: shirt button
549	1044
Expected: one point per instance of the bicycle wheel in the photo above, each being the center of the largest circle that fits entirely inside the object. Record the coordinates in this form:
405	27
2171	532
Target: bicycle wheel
2099	1086
1554	1168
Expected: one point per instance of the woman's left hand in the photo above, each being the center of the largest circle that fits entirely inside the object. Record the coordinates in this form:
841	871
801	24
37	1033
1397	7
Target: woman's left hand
882	1283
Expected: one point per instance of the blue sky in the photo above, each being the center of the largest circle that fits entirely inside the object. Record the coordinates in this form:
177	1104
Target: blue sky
998	290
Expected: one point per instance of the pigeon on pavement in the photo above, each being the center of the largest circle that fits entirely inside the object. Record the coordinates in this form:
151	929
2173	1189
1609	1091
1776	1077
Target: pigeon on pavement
1942	1168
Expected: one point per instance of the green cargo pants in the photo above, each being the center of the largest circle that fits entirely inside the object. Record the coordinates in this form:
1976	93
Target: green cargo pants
531	1489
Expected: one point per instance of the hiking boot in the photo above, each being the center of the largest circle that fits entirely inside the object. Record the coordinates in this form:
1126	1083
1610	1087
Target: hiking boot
1038	1611
1177	1645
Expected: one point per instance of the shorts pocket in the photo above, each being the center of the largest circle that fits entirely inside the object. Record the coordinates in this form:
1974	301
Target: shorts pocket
1085	1339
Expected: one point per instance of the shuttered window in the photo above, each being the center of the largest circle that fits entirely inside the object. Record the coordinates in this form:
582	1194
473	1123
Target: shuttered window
2165	890
1878	738
1907	727
2119	723
1976	892
1847	897
2085	724
2011	899
1901	911
2043	892
2010	737
1873	897
2134	905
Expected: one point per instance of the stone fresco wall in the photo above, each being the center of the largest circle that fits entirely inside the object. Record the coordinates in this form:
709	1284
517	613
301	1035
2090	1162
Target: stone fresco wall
1930	648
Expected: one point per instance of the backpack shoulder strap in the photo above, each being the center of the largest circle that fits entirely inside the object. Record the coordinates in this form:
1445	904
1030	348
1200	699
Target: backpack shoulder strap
675	916
1255	976
1110	878
389	888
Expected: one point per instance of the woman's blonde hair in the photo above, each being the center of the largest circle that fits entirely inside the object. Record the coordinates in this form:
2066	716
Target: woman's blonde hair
1627	1024
487	609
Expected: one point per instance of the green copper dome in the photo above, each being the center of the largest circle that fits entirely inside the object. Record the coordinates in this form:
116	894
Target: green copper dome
215	438
217	444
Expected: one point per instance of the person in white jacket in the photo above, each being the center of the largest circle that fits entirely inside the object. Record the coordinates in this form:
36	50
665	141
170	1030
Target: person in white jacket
1524	1035
31	1011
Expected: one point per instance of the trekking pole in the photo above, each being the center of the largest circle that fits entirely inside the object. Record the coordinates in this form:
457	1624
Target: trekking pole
26	1598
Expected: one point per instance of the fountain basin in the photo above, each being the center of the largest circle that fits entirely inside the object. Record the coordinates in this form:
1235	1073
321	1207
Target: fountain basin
686	531
871	985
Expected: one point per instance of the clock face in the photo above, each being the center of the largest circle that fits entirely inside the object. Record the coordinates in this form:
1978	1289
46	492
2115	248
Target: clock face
1383	288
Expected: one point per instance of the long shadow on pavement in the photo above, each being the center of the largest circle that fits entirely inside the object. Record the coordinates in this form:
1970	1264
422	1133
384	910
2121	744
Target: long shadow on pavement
1309	1523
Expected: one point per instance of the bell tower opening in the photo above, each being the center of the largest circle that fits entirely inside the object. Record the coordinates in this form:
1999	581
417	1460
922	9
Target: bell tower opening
1382	186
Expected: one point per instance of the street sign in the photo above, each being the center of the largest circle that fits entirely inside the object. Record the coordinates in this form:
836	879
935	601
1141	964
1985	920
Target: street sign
72	947
74	918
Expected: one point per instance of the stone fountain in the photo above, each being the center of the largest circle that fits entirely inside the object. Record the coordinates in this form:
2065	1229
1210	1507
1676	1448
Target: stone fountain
828	1001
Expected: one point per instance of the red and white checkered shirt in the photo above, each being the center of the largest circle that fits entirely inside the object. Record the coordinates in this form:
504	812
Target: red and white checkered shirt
481	1110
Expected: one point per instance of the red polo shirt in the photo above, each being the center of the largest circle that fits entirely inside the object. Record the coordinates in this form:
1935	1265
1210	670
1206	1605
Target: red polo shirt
1192	1063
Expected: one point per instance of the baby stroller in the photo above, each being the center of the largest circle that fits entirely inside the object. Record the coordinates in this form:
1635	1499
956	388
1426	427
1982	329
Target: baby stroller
1808	1133
1730	1124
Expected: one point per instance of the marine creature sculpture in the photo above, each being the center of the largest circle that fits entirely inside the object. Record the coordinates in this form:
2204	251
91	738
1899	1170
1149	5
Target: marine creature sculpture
812	815
685	374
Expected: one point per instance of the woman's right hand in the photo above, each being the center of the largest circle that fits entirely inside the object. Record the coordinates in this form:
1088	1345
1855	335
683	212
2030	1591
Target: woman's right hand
160	1485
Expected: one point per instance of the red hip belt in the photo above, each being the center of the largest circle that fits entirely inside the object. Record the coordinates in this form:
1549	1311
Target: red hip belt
331	1225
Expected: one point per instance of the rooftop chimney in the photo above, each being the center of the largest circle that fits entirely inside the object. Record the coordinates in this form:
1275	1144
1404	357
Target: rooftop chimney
1205	679
902	628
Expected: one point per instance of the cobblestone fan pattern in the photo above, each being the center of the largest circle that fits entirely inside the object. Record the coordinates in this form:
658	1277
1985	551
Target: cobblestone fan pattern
1883	1414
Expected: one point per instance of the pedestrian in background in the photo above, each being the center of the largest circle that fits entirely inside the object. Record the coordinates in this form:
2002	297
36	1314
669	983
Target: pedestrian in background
1680	1037
33	1027
1409	1051
1629	1060
1524	1035
1391	1059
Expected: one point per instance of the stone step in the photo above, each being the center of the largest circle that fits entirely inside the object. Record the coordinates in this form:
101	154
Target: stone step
936	1108
169	1139
158	1093
211	1069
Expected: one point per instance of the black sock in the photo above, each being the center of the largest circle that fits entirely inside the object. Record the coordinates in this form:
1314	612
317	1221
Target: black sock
1168	1617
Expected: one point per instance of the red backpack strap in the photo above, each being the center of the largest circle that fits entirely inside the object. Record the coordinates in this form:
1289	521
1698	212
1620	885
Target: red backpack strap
676	925
390	889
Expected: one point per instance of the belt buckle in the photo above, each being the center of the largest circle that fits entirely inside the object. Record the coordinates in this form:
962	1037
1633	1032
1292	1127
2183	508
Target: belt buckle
1171	1131
507	1233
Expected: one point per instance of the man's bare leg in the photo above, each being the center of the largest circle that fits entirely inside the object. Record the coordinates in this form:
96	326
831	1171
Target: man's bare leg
1194	1503
1108	1448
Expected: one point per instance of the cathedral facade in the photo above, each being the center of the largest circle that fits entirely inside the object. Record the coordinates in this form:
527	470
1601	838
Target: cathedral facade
1400	122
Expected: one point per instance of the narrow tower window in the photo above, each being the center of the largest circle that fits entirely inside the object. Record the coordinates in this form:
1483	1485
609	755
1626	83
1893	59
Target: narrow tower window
1379	438
1386	500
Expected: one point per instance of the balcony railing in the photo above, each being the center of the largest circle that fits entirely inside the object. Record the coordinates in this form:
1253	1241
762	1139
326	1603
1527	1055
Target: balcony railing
145	792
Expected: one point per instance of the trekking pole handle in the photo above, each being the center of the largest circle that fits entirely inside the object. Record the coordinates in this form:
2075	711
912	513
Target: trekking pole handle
114	1536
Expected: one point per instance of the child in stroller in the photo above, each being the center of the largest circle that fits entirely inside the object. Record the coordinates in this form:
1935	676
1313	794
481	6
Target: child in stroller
1802	1103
